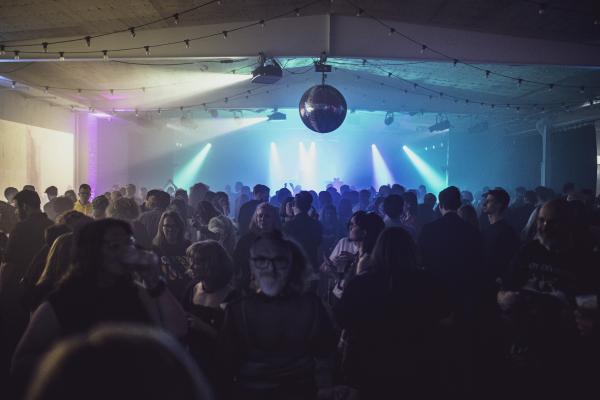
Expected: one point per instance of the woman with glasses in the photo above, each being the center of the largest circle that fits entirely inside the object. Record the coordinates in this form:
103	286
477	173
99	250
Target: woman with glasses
110	280
170	246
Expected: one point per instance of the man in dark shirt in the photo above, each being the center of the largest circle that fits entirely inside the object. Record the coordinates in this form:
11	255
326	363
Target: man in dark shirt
157	202
52	193
26	239
500	242
307	231
8	215
520	212
451	249
261	195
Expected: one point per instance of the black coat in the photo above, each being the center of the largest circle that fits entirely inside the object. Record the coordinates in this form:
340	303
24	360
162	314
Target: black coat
452	251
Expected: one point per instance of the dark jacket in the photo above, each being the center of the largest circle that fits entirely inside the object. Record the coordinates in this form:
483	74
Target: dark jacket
308	232
451	250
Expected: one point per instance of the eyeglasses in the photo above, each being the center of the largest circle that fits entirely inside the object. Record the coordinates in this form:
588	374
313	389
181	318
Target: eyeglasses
278	262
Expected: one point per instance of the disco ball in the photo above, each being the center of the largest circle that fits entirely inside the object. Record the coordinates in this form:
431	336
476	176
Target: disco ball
322	108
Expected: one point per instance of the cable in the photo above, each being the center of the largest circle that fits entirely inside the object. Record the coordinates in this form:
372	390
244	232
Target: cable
424	47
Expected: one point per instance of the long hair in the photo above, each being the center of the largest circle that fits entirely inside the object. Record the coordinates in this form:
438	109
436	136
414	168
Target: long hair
58	262
160	240
217	270
87	248
301	272
394	252
372	224
253	227
206	211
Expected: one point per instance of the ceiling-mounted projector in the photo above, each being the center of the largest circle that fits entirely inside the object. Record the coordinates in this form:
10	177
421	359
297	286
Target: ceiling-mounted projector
277	116
266	73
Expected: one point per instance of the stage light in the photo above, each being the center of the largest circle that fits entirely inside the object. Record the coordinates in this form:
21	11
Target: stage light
187	176
277	116
389	118
441	126
430	176
381	173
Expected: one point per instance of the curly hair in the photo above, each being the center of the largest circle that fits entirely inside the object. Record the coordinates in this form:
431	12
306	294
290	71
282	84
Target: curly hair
123	208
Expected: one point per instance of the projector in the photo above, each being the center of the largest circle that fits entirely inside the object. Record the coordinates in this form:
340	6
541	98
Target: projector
268	74
277	116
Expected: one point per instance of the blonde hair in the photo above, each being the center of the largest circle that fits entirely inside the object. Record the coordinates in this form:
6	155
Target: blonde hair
58	261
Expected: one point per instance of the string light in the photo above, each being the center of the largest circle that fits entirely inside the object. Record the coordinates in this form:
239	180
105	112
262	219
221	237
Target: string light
297	12
391	32
423	48
487	74
158	111
262	23
45	47
359	12
88	41
550	87
13	84
147	48
137	113
176	18
187	43
582	90
112	91
542	9
454	62
46	89
519	82
17	57
225	34
105	55
132	32
2	50
61	56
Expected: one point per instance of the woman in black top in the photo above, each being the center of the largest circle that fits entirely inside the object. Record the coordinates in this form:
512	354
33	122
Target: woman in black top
390	314
170	246
110	280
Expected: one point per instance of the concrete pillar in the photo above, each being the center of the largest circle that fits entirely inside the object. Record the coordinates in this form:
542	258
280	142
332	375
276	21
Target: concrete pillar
597	126
543	127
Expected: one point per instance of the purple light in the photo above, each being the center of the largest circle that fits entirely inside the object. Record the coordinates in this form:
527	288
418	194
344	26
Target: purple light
91	133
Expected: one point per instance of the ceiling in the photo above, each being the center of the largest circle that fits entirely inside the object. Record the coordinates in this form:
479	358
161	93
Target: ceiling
563	20
221	84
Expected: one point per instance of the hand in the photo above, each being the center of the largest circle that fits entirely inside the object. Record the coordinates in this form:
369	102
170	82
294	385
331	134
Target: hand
145	264
343	261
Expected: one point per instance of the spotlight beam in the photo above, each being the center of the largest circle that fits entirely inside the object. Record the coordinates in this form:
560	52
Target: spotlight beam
187	176
381	172
431	177
275	168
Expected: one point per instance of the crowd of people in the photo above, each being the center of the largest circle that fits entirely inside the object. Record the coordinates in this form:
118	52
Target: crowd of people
341	294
